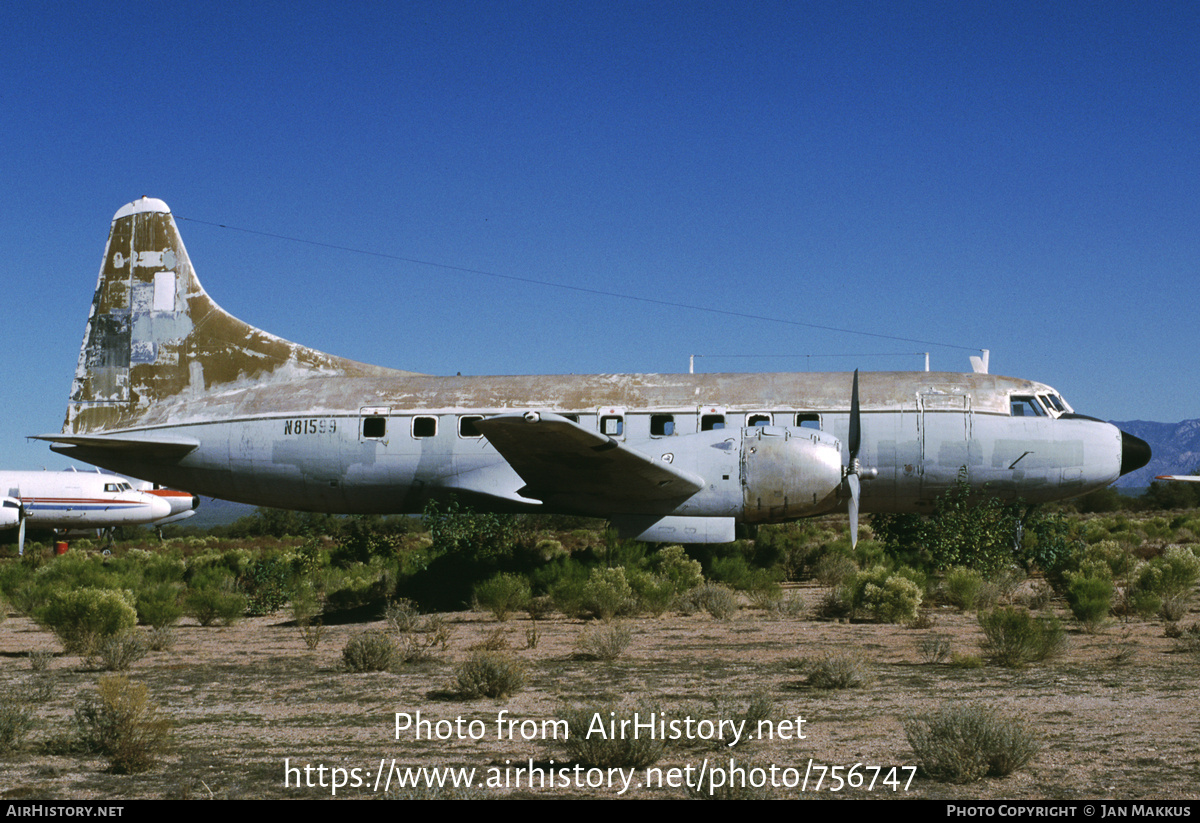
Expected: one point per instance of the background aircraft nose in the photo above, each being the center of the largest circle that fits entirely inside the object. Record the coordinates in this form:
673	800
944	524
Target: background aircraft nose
159	508
1135	453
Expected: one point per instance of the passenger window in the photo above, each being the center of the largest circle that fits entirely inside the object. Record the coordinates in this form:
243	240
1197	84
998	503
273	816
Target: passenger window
758	420
712	422
808	421
424	426
466	425
612	425
662	425
374	427
1027	407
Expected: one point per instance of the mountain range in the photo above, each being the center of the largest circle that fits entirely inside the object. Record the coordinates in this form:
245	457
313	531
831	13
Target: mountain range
1175	449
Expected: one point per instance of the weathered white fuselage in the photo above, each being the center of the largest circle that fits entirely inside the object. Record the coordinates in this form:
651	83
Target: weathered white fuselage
173	389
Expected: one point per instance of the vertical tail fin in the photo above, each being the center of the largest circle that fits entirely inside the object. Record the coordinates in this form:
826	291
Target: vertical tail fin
155	339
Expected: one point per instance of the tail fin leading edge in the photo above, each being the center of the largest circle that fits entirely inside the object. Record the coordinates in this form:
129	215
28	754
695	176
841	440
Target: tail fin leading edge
154	336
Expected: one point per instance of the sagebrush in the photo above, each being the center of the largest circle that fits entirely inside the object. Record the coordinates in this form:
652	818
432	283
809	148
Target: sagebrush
964	743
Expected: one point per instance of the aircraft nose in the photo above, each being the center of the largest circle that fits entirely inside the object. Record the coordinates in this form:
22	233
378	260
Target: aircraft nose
1135	453
159	508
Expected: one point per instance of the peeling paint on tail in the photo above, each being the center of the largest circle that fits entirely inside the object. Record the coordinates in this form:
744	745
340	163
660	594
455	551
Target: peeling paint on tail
154	334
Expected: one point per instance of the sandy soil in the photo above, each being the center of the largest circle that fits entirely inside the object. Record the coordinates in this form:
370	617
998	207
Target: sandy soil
1115	715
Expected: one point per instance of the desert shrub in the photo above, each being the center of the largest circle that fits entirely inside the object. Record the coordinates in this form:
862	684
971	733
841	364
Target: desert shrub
1013	637
836	603
370	651
1039	596
834	568
603	642
837	671
935	648
18	706
566	593
489	674
888	596
213	595
119	652
1187	640
1090	599
607	593
963	530
161	640
475	537
358	586
683	572
1174	608
539	606
737	573
896	601
416	635
123	723
402	616
788	605
1001	585
588	742
503	594
713	598
1120	561
493	641
1172	576
962	744
83	618
267	584
159	605
961	587
653	592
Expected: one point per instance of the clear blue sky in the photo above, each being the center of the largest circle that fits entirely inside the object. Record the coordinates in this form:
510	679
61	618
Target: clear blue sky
1017	177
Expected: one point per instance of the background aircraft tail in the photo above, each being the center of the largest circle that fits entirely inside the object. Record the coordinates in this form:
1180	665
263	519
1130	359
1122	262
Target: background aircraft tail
155	337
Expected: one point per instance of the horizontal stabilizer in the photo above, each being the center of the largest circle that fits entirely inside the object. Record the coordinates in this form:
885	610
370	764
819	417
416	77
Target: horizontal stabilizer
158	446
557	457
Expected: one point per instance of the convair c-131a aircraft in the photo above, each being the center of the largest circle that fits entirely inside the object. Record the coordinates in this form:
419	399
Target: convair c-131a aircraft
173	389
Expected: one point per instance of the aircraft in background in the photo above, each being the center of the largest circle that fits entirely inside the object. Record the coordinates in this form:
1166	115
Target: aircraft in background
1190	478
73	501
172	388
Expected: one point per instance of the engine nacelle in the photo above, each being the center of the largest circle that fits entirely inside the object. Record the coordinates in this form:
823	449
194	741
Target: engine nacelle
789	473
10	512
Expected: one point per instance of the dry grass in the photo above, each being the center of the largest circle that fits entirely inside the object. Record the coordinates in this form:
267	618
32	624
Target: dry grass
245	698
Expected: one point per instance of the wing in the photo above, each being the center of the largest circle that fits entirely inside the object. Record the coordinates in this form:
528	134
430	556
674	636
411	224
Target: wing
558	458
147	446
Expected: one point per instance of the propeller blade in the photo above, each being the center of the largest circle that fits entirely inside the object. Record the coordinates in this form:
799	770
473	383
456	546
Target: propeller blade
855	489
21	535
855	422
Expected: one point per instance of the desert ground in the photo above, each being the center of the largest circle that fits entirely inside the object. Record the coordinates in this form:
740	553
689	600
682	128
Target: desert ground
1114	715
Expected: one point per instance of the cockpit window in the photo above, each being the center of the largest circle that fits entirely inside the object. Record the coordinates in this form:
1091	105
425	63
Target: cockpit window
1054	402
1027	407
